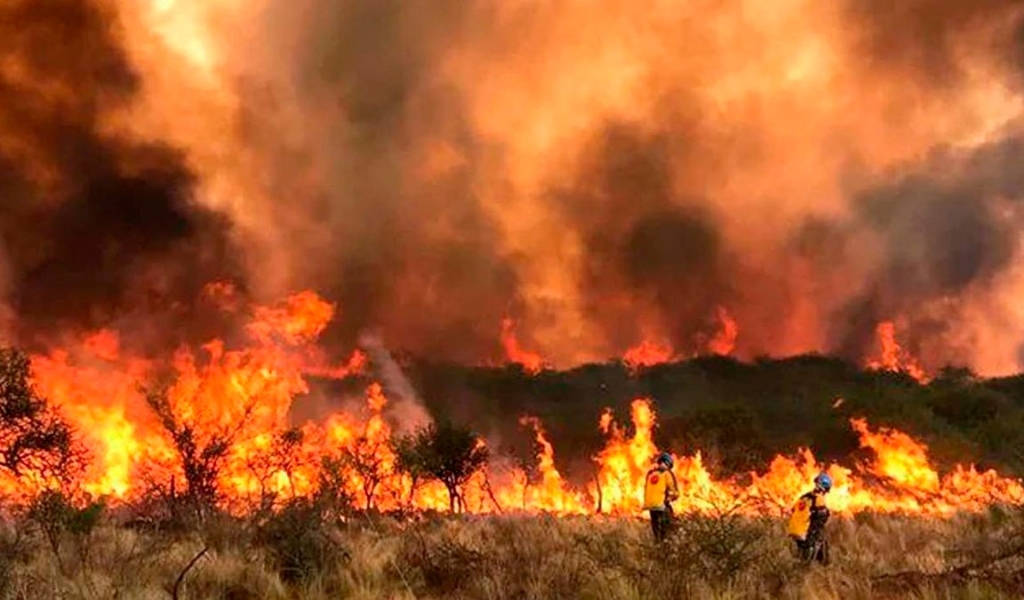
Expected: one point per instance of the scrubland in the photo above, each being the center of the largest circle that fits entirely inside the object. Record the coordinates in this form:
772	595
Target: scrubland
302	552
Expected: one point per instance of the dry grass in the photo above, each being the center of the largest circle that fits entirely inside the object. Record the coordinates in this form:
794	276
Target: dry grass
516	557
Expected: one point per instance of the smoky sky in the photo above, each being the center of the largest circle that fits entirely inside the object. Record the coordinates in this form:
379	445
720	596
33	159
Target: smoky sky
425	260
413	258
386	186
93	226
919	37
645	246
942	233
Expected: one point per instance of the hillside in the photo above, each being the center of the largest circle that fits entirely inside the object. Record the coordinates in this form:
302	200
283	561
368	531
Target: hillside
738	414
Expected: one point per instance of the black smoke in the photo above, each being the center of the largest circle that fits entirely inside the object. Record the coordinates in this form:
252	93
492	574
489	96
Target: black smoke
94	225
648	248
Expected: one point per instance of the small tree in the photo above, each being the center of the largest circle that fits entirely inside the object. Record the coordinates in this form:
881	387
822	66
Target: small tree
407	460
365	458
281	458
446	453
34	440
202	453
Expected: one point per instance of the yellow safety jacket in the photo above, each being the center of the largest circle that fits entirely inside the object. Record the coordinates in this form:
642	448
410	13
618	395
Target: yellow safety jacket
659	486
809	505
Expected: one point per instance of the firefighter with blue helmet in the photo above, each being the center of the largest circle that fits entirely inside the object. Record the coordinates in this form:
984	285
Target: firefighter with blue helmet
660	490
807	523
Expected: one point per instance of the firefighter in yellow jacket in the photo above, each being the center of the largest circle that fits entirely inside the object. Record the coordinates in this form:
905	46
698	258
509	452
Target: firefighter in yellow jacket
807	523
660	490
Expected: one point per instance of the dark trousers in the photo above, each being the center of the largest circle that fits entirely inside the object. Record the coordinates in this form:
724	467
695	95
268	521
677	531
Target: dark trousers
661	523
813	548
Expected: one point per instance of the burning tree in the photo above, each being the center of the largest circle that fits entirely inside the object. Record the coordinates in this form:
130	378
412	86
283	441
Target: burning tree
35	443
366	458
281	459
449	454
201	452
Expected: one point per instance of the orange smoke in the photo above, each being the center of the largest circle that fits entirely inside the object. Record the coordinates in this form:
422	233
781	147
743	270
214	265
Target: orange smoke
774	140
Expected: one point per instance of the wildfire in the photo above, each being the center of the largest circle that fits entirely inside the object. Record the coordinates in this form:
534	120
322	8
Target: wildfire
531	362
724	341
653	351
892	356
241	398
647	354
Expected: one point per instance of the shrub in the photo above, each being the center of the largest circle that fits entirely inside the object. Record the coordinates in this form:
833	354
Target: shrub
299	542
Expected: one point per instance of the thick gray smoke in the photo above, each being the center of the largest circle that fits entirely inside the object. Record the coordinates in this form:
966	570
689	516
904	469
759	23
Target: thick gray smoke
948	228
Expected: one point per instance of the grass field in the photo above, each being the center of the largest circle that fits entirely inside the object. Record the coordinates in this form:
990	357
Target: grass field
300	554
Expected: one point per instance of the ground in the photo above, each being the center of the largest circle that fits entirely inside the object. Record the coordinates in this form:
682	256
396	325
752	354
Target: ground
297	554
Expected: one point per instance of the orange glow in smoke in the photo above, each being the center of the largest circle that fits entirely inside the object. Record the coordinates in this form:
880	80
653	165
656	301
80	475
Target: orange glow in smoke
724	341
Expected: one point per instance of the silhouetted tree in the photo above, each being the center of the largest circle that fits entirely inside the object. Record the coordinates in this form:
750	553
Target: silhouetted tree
34	440
446	453
365	458
201	452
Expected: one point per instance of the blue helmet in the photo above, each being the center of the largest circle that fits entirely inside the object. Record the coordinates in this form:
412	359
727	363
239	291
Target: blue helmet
666	459
823	481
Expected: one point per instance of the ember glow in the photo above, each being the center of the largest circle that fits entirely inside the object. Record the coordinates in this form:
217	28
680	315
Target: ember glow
244	394
647	354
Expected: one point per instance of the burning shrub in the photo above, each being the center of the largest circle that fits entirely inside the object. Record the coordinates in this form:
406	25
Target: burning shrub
332	493
444	452
36	446
282	458
364	457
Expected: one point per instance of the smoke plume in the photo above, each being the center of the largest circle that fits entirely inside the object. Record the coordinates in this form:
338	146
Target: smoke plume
94	225
603	175
406	408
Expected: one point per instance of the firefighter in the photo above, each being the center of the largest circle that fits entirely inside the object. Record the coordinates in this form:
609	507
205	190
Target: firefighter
807	523
660	490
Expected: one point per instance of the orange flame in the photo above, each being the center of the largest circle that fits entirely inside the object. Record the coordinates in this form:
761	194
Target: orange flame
647	354
892	356
244	395
531	362
724	341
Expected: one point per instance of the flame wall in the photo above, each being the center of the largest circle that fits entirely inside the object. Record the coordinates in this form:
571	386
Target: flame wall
604	175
